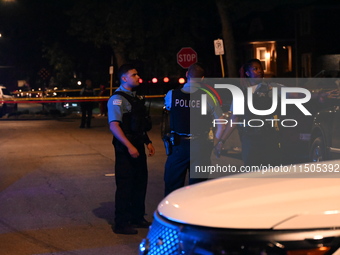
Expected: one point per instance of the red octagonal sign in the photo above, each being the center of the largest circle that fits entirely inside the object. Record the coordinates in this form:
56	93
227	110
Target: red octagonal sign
186	57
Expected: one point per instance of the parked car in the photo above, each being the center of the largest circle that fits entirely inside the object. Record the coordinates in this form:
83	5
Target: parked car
295	213
325	134
64	107
6	108
328	74
324	87
323	82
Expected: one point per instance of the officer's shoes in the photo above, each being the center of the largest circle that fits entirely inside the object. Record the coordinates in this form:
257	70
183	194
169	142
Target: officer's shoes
125	230
143	223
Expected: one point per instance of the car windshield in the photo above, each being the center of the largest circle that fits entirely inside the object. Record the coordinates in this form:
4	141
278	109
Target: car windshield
5	91
319	84
328	74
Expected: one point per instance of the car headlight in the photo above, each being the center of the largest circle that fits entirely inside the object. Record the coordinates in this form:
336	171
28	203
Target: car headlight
144	247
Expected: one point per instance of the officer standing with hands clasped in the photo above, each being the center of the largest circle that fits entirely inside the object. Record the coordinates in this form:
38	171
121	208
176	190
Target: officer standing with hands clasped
189	131
260	145
127	120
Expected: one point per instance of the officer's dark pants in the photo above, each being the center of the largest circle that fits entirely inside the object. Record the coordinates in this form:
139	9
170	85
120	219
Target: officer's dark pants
184	157
86	114
131	176
262	149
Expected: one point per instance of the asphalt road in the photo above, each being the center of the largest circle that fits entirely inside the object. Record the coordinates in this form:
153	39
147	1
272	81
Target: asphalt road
57	188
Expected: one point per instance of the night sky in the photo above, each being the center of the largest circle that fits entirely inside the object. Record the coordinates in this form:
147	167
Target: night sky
77	38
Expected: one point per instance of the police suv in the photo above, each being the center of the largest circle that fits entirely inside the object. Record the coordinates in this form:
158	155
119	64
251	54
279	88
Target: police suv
294	211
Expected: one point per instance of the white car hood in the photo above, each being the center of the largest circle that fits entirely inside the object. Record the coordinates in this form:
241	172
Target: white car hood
257	203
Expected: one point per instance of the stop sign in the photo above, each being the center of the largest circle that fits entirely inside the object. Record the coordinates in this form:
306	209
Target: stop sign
186	57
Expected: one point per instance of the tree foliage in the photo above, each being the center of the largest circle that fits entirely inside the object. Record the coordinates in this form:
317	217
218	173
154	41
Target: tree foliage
84	34
149	32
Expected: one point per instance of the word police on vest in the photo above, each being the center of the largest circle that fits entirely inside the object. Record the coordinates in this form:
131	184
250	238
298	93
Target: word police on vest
188	103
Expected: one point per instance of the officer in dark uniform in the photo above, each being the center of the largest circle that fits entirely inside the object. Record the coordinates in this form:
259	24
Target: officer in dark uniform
86	107
260	145
189	131
126	116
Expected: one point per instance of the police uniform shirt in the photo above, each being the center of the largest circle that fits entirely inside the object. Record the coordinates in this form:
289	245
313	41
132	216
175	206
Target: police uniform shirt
118	105
191	88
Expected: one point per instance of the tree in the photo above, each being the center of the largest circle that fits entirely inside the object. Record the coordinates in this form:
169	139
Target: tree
149	32
113	23
228	36
63	63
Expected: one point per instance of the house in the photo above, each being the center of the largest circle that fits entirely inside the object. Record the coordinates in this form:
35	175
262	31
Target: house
292	40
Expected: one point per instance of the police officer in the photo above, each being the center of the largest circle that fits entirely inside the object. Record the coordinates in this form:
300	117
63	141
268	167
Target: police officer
86	107
126	116
189	131
260	144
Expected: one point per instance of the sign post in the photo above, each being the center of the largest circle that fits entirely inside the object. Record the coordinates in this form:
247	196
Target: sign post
219	50
186	57
111	70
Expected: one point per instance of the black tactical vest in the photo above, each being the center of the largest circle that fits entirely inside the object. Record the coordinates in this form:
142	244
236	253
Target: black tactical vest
262	100
137	121
185	113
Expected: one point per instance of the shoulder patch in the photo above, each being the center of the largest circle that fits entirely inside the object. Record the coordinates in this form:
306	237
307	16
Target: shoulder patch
117	102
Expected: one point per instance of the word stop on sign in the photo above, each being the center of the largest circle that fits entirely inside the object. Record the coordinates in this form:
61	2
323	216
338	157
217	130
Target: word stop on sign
187	57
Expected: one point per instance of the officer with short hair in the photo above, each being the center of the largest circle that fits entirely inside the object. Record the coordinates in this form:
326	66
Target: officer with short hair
126	117
189	130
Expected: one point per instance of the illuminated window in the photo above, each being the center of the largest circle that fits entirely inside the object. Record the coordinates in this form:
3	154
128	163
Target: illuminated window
261	54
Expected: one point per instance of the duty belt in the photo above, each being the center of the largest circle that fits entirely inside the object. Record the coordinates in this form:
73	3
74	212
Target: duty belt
184	136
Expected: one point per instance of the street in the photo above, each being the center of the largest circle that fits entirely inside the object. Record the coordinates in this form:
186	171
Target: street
57	188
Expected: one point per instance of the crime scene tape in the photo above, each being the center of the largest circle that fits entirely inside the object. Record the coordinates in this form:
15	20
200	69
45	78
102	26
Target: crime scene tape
62	99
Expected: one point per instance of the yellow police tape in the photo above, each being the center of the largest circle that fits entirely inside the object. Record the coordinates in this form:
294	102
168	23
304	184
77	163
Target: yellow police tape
62	99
